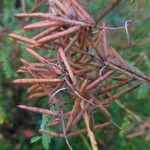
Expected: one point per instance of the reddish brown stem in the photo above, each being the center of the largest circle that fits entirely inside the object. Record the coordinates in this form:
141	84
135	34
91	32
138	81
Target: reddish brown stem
76	133
99	80
108	100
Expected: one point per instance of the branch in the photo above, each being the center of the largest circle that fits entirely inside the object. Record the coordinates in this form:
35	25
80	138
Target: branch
133	43
23	4
89	131
107	9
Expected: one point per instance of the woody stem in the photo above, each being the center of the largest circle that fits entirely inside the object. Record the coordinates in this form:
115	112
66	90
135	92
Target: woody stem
89	131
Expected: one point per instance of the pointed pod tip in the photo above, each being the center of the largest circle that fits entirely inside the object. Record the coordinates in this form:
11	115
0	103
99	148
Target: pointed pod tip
16	81
13	81
21	106
11	35
19	15
20	71
24	61
26	28
21	59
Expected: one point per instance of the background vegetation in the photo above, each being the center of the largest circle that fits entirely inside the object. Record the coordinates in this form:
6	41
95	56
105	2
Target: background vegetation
17	126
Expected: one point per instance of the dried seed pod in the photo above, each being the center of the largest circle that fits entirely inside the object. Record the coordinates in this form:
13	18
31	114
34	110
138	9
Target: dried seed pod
100	79
34	81
37	95
39	110
32	88
58	35
41	24
46	32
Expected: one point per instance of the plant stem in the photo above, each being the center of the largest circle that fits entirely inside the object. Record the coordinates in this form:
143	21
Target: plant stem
89	131
107	9
23	4
129	111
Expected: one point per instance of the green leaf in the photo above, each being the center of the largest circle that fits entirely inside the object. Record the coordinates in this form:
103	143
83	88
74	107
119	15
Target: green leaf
125	126
142	91
45	120
46	140
35	139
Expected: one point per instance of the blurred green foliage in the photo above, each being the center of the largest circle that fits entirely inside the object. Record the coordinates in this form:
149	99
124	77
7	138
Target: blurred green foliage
137	55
